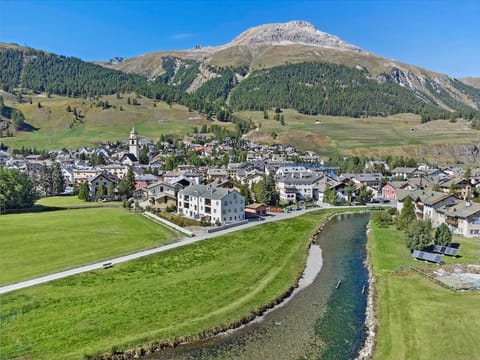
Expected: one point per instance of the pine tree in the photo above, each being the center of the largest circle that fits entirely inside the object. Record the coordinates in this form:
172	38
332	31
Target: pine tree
143	156
443	236
407	215
46	180
100	193
111	191
418	234
58	181
84	192
126	187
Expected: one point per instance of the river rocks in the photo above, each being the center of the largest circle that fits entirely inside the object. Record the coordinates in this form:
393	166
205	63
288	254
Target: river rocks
370	323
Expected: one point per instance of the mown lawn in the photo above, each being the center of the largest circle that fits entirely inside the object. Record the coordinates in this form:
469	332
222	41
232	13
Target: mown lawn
73	202
418	319
168	295
33	244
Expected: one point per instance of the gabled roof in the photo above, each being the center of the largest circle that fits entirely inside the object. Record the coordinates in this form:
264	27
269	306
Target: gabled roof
106	175
146	178
292	181
404	170
461	209
206	191
427	197
161	183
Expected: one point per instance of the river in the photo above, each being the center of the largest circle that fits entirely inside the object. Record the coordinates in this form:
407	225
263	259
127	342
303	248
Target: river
319	322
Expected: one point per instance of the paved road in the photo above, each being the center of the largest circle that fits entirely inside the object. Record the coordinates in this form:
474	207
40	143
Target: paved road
183	242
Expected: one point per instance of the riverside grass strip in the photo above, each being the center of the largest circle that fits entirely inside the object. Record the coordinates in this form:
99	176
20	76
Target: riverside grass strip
418	319
182	293
40	243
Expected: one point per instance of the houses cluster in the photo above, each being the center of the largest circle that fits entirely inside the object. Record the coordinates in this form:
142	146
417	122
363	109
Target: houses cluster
438	195
212	192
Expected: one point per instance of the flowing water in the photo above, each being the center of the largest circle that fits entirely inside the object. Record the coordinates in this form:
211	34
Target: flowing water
319	322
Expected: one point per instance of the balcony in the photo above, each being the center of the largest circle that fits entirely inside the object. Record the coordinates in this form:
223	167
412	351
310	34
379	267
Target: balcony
452	221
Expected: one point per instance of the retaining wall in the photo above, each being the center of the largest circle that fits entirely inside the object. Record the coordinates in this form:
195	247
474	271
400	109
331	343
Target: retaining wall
168	223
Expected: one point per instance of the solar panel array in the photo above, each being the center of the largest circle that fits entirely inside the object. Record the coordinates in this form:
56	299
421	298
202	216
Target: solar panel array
445	250
423	255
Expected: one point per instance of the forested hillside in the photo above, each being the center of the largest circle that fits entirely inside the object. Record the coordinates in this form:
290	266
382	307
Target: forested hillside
321	88
310	87
67	76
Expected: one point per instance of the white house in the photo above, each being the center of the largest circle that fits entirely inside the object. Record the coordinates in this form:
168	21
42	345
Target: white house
209	203
291	188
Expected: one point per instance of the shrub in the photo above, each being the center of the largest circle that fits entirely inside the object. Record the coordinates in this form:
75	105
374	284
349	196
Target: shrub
382	218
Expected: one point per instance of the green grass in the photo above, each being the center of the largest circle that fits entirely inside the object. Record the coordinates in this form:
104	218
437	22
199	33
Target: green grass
372	136
34	244
418	319
99	125
173	294
73	202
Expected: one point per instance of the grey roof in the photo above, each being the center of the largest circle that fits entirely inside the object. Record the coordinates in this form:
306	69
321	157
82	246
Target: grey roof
220	172
206	191
461	209
404	170
146	177
428	197
288	180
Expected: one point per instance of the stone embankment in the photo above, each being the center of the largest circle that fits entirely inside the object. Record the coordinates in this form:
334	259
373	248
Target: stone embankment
370	322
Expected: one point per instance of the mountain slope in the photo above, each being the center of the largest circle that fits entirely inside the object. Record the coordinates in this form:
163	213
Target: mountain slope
272	45
472	81
213	79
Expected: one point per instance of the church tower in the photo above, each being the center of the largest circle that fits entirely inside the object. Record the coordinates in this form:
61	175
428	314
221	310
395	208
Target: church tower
133	143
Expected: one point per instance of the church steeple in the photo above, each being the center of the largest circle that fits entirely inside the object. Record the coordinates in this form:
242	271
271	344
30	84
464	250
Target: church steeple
133	143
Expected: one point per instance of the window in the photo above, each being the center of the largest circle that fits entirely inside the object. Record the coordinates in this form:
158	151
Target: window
476	220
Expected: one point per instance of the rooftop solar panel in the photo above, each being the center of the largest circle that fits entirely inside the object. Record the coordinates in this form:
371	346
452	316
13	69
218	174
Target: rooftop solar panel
423	255
445	250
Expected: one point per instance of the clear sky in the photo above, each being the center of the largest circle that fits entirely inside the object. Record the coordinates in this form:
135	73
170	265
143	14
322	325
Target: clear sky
440	35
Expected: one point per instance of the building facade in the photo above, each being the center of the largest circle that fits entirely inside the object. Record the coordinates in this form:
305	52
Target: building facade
209	203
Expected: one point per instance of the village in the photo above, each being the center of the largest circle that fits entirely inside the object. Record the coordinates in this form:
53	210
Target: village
217	188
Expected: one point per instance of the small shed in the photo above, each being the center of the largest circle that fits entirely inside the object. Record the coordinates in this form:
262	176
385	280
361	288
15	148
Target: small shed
255	210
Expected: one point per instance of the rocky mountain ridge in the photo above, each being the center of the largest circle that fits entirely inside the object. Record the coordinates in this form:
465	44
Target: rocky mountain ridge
267	46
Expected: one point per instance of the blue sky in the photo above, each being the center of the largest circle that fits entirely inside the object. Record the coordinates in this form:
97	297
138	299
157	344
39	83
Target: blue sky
440	35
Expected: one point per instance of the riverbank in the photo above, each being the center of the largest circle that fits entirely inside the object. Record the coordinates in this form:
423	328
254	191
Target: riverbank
370	321
181	295
320	321
313	266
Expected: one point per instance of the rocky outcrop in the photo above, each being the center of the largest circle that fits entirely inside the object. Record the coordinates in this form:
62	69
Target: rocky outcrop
292	32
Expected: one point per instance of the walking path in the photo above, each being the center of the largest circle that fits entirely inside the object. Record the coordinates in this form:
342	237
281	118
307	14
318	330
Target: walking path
183	242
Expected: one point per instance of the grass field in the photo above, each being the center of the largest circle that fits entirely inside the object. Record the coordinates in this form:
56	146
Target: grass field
164	296
35	244
367	136
73	201
418	319
400	134
53	121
